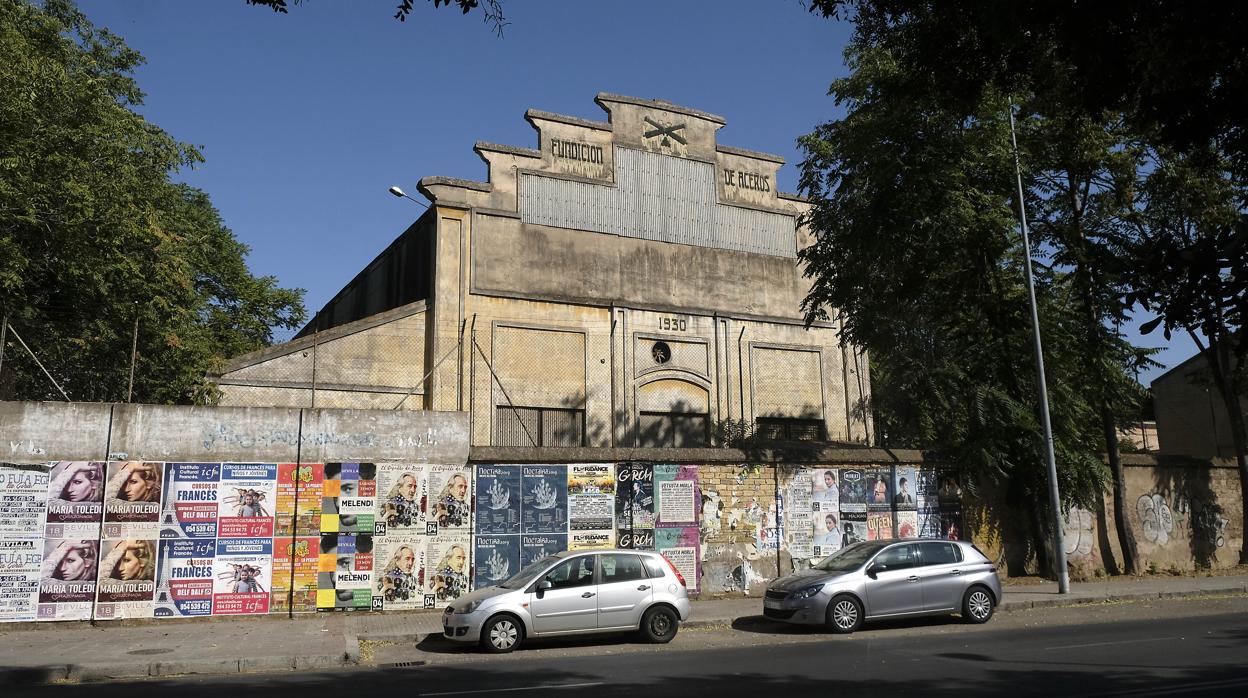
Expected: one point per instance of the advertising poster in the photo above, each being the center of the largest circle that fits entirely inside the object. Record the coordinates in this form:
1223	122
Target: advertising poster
544	506
349	498
926	487
132	496
20	563
67	578
400	499
306	481
681	547
951	524
929	520
344	578
827	535
244	576
397	577
879	488
634	505
853	484
908	524
798	516
853	527
23	500
248	491
75	500
949	493
905	486
879	525
825	489
591	506
495	558
450	499
184	578
498	499
127	577
447	569
676	500
295	564
535	547
192	495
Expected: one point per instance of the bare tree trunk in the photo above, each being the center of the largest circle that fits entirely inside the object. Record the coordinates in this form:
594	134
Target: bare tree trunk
1126	538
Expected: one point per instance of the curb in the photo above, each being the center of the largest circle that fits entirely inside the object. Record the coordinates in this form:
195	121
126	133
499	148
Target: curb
26	676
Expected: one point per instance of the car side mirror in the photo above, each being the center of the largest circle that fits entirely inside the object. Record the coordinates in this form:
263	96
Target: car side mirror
544	585
875	569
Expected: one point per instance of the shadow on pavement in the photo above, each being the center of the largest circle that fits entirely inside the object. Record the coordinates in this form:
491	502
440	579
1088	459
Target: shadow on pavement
766	626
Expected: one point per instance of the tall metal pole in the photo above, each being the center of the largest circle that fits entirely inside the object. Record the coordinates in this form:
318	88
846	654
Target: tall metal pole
4	339
134	352
1055	500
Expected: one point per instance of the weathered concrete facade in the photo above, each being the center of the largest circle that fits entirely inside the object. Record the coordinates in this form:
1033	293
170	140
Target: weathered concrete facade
1192	419
39	432
629	282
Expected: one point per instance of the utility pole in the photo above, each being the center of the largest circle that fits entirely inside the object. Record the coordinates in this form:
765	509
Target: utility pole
1055	500
134	353
4	338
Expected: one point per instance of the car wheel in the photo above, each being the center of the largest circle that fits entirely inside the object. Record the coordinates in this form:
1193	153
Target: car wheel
501	634
659	625
977	605
844	614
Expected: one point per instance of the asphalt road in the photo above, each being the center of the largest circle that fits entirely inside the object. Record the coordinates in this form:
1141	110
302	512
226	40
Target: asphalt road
1189	646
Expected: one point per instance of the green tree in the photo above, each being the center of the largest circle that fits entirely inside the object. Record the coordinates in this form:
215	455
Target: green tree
492	12
1193	260
94	235
1175	72
1083	174
917	249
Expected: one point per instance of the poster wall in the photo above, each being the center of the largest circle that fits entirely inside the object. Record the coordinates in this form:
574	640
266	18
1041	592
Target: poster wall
191	500
132	497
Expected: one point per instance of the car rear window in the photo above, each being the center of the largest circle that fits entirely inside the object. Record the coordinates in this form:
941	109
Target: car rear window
654	566
621	567
940	553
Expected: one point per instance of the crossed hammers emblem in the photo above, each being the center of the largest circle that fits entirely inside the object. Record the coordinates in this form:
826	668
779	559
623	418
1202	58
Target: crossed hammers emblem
665	132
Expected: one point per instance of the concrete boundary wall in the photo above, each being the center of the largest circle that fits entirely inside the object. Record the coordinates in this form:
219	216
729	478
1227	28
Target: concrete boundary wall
38	432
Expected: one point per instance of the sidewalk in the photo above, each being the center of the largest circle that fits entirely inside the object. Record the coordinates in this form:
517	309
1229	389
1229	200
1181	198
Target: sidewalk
45	652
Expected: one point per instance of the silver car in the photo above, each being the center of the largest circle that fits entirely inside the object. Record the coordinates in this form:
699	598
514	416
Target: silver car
888	579
574	593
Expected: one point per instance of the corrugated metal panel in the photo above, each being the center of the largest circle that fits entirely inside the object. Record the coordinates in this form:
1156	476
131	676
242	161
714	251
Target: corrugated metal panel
657	198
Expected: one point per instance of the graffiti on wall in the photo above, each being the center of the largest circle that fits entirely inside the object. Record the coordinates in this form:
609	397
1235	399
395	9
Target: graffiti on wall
1156	518
1078	532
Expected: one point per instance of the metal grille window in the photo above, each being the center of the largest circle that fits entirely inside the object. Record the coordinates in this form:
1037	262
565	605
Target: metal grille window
673	430
785	429
548	426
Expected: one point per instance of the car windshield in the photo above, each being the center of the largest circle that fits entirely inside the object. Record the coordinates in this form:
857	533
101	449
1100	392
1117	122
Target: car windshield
848	558
527	574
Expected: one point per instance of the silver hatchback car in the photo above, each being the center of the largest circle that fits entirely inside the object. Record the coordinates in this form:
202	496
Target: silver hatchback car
574	593
888	579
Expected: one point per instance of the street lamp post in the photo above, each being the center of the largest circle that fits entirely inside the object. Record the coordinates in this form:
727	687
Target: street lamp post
1055	500
403	195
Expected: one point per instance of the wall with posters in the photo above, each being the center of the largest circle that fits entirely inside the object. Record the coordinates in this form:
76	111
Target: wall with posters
197	511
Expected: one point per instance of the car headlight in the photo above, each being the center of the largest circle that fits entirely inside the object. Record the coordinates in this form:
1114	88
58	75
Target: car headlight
471	606
807	592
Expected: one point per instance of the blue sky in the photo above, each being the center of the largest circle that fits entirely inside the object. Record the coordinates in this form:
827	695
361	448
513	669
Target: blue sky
306	119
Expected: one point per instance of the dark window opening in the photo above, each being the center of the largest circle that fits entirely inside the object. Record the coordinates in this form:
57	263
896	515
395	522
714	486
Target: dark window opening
787	429
548	426
674	430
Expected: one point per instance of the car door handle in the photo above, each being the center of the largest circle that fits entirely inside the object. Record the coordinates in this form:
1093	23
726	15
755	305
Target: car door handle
912	578
955	572
587	594
643	587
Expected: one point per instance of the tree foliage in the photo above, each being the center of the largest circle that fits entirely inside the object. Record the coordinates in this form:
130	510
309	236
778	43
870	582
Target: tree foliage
1134	141
492	13
96	235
